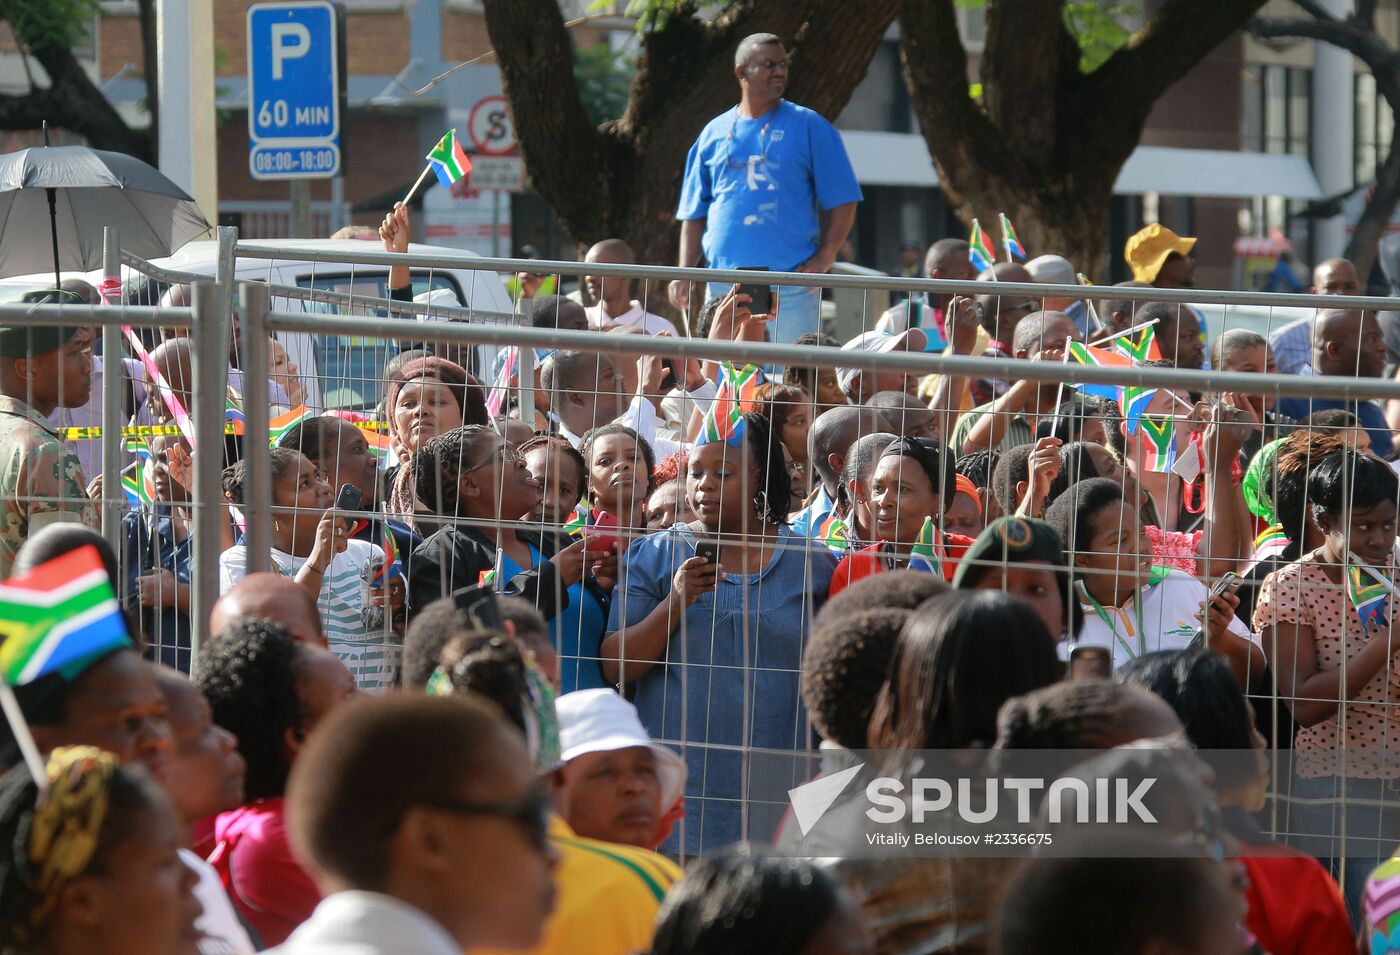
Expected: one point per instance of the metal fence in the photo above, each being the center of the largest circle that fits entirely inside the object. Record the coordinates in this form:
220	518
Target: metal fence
711	685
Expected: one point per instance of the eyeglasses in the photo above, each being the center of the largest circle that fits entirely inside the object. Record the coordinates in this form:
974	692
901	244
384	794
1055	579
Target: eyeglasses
506	455
530	813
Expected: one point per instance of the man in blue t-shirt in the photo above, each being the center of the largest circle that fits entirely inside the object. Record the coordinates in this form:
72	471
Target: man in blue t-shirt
767	184
1346	342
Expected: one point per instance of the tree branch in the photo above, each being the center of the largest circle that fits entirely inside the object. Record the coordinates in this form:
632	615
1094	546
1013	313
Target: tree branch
1355	39
1365	13
1176	39
536	56
1315	10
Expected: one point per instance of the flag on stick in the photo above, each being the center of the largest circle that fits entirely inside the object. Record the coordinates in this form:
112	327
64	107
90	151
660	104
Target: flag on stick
280	425
979	248
448	159
926	554
1141	347
1368	592
1014	248
496	399
1159	432
1091	357
737	393
58	617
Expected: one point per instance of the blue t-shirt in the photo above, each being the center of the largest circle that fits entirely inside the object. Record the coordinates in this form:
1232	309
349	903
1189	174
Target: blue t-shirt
1369	413
576	631
761	183
733	662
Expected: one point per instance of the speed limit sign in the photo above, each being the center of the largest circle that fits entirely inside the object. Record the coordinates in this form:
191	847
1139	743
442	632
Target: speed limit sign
490	128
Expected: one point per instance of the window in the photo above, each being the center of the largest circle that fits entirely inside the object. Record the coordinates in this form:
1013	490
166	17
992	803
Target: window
1276	113
351	368
1373	128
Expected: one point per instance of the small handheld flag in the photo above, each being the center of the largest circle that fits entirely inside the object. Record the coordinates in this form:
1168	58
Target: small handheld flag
496	399
233	414
58	617
448	159
579	522
1140	348
834	533
280	425
979	248
1014	248
924	555
1368	593
1091	357
737	393
1159	434
393	564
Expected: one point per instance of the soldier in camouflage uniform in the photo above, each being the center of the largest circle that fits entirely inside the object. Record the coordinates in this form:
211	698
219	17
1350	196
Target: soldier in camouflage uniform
41	481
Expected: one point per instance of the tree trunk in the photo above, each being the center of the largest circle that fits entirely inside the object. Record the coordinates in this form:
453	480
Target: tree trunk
1375	218
1046	142
623	179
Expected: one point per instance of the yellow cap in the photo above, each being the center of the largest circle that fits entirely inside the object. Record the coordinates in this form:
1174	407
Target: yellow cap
1149	247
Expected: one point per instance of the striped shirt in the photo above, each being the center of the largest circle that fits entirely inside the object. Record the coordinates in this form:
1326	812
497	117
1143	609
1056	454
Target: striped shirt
373	656
1292	345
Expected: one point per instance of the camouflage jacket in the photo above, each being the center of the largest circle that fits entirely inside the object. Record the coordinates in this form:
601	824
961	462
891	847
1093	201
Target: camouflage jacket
41	481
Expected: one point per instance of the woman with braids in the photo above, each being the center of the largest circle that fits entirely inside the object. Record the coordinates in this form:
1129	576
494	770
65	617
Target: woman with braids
474	474
269	692
311	544
906	496
722	638
89	866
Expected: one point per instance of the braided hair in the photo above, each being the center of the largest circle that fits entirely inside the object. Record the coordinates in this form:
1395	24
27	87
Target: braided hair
775	488
439	463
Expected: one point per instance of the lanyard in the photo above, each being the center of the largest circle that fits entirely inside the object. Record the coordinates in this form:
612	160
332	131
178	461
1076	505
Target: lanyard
1113	627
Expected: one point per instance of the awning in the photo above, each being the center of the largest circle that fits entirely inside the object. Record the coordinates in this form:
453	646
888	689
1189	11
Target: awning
902	159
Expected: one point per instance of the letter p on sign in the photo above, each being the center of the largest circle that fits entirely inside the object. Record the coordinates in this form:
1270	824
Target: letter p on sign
290	41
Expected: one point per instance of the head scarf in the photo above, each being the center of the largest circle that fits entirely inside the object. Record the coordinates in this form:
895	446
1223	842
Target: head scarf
66	826
449	373
965	486
1257	493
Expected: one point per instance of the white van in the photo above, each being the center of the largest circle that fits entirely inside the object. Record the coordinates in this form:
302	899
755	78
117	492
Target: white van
337	371
346	372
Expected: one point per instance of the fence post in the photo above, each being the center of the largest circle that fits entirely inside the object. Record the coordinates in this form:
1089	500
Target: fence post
224	268
211	336
525	374
254	302
113	377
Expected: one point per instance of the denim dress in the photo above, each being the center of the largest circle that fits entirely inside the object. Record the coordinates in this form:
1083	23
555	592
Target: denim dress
726	689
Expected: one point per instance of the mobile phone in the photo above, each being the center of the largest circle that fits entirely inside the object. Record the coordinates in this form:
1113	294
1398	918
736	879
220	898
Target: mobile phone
478	604
708	550
599	540
1090	661
1228	583
760	296
351	498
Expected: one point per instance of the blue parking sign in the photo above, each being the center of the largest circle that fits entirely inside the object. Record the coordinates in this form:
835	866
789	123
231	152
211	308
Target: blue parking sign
295	89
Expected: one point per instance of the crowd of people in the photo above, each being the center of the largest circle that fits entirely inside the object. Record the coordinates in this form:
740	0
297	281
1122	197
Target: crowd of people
539	674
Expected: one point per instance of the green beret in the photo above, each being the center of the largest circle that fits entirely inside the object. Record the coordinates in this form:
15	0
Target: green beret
27	341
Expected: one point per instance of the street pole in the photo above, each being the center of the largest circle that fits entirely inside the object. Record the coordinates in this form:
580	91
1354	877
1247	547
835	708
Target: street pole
185	82
300	226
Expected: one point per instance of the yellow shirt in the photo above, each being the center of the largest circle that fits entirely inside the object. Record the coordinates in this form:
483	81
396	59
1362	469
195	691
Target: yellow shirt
607	896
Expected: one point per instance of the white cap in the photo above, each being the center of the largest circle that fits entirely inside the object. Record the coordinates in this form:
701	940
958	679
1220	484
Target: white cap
436	296
1052	270
600	721
911	339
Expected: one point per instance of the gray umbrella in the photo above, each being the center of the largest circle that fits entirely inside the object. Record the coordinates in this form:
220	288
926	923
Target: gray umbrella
78	190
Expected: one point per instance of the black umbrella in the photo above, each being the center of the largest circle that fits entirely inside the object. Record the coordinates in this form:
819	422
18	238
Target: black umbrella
82	190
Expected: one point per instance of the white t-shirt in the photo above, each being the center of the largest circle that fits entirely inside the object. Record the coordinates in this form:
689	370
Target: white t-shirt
221	933
372	655
1168	620
634	317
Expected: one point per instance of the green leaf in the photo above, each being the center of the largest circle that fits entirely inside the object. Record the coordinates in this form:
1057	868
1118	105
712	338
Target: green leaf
1098	30
604	80
50	24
